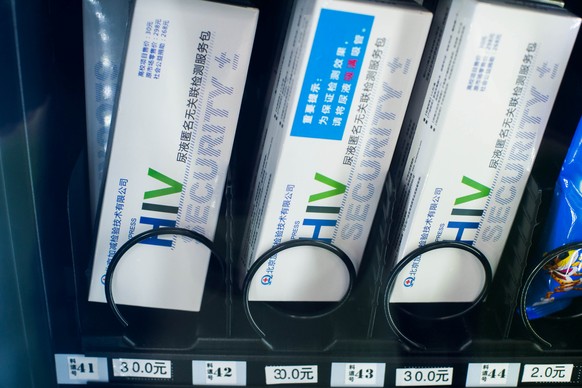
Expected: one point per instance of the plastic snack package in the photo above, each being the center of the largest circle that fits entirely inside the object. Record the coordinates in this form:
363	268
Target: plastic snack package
560	279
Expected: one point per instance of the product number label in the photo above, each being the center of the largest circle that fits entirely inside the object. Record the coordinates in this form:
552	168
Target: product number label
361	374
83	368
219	373
545	373
153	369
300	374
493	375
409	377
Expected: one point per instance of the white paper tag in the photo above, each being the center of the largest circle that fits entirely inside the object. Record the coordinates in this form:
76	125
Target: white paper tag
547	373
153	369
417	377
297	374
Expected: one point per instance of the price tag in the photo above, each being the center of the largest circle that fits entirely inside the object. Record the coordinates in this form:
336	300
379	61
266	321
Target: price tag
83	368
418	377
78	369
547	373
219	373
152	369
298	374
493	375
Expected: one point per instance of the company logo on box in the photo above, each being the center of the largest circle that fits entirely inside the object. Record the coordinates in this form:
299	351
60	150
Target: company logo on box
331	77
409	281
266	280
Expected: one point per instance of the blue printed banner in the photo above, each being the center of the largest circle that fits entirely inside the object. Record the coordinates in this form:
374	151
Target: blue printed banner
331	77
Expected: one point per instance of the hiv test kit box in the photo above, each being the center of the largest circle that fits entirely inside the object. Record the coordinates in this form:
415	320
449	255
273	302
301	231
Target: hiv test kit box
485	89
345	77
181	91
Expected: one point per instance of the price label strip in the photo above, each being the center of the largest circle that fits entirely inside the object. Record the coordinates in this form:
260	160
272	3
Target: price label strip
297	374
547	373
419	377
142	368
493	375
230	373
78	369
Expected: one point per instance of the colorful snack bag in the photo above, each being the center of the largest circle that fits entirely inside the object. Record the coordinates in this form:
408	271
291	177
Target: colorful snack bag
560	280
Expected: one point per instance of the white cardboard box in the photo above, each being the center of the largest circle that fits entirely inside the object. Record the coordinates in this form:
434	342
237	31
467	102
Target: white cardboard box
480	107
182	85
343	84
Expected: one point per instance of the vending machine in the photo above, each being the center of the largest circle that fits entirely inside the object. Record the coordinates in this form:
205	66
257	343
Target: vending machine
326	193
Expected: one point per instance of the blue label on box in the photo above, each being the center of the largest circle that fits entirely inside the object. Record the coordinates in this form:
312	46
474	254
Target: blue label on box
332	74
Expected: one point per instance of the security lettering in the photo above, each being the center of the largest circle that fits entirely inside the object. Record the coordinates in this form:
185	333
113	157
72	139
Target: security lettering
369	167
206	164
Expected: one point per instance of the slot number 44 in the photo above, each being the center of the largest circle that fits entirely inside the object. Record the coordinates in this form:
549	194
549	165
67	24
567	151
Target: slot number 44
494	373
